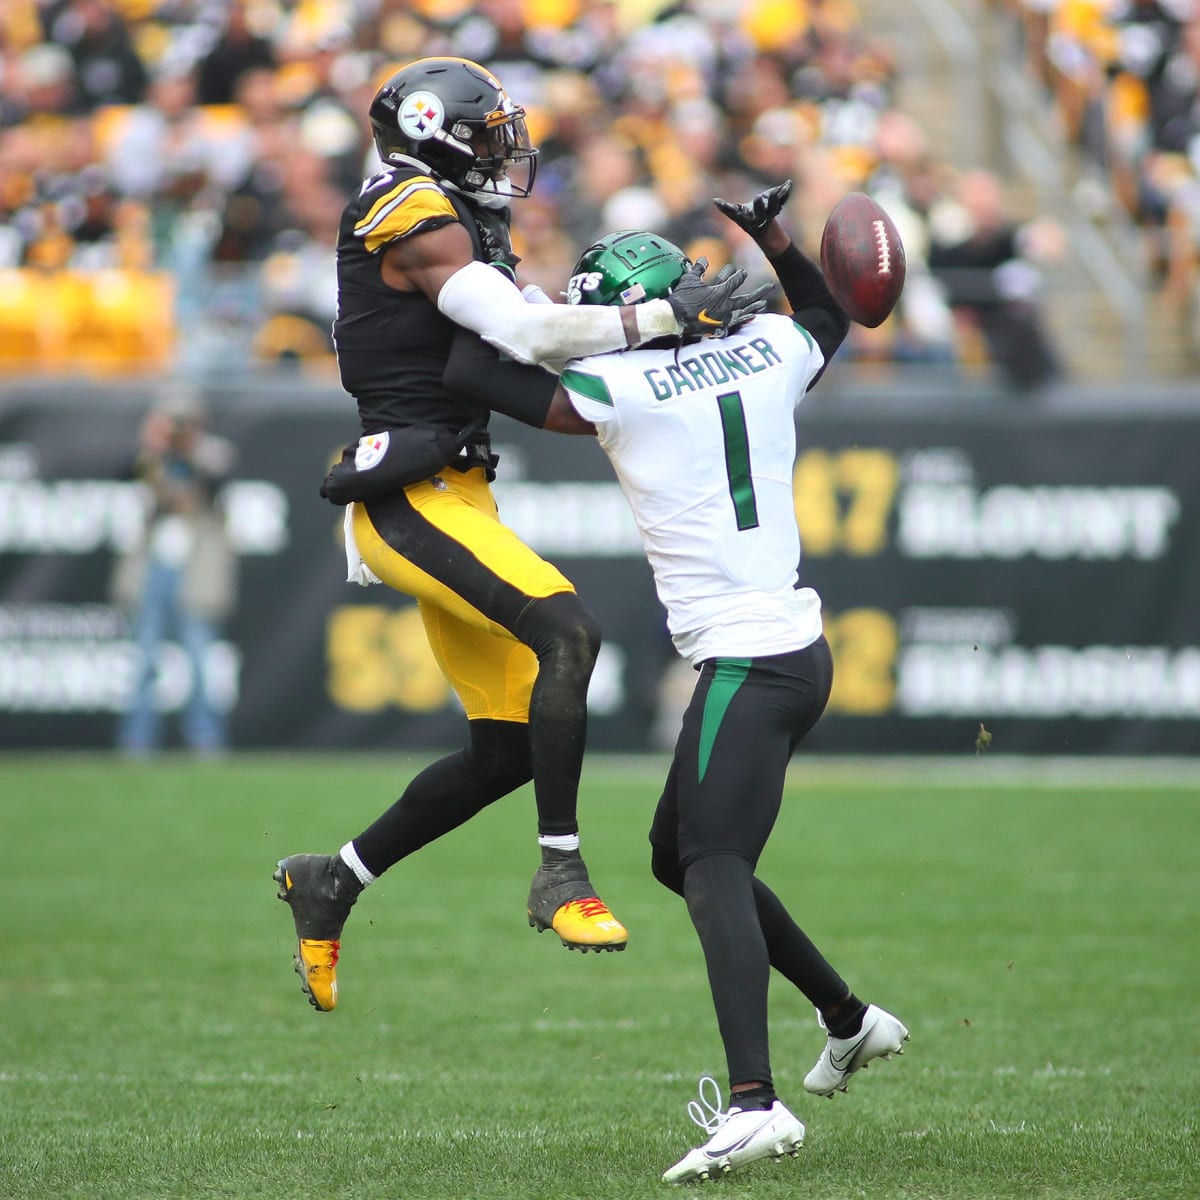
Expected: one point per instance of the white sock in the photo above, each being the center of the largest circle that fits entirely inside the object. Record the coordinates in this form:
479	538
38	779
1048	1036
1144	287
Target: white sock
559	841
350	857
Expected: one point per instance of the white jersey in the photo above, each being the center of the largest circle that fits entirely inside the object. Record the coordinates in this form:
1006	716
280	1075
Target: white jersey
704	444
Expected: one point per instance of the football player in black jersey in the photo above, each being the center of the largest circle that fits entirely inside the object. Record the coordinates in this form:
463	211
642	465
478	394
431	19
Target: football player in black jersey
425	271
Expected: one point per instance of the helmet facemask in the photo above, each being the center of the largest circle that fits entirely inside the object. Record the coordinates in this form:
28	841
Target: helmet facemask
504	160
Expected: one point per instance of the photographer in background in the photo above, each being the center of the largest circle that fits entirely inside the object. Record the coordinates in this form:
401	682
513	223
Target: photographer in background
180	581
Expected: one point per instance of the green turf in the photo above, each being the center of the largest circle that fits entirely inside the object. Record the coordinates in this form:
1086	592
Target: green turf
1040	939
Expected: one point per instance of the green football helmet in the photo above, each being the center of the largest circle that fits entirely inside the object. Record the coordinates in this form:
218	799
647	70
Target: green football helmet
626	268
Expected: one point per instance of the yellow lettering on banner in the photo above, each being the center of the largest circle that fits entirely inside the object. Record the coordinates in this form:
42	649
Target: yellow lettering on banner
379	657
864	643
870	476
844	500
814	493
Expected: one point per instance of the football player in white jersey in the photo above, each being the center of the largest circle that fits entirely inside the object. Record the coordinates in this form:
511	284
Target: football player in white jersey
702	437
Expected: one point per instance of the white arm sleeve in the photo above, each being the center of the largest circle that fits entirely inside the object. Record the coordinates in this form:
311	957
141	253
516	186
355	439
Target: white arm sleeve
481	298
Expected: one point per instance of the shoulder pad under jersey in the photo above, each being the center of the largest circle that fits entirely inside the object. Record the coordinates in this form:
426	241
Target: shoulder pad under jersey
398	202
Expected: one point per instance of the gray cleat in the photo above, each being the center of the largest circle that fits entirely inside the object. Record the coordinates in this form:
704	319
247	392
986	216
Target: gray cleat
562	898
320	890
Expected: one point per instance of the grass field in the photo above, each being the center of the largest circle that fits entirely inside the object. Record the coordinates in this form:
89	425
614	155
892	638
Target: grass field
1038	933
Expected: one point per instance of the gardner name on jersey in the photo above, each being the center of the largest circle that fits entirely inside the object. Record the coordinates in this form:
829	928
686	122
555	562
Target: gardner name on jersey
704	448
711	368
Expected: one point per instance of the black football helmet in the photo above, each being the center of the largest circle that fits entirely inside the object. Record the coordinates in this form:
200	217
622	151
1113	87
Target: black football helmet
454	117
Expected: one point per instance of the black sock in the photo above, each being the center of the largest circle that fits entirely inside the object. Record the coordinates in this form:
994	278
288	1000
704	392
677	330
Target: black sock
762	1097
845	1019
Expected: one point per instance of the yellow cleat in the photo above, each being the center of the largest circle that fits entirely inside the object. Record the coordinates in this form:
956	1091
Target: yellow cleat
588	925
316	964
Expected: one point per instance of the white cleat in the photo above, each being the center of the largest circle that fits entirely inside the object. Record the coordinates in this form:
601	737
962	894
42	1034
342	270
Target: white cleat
881	1036
737	1136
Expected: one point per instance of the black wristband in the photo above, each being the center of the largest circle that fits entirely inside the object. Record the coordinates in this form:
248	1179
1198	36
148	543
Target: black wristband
801	278
813	305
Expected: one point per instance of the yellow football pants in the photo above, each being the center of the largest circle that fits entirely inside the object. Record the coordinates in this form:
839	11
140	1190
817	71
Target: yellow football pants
442	542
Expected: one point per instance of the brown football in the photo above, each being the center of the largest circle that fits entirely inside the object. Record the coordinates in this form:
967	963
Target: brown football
862	258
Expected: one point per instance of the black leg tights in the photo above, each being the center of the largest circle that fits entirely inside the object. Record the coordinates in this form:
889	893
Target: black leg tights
449	792
720	901
566	639
789	948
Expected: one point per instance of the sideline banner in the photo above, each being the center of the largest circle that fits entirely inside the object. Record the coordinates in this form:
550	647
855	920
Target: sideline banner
1034	577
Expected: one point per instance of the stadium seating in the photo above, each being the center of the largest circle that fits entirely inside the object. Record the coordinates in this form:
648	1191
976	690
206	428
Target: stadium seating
102	322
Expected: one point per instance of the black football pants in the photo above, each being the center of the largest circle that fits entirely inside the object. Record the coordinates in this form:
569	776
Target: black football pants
717	810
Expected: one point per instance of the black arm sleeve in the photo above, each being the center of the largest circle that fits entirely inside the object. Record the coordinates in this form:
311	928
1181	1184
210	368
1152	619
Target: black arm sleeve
475	372
813	305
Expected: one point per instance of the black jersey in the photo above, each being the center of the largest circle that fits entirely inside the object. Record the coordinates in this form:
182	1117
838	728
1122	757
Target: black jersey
392	346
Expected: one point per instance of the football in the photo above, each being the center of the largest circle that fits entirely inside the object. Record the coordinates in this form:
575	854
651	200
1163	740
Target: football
862	259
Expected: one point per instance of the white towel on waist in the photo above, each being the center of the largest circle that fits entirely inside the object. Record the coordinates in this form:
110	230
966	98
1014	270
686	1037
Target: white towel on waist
357	571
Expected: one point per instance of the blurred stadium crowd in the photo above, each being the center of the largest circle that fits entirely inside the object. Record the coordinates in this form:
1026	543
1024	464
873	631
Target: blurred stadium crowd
172	172
1125	79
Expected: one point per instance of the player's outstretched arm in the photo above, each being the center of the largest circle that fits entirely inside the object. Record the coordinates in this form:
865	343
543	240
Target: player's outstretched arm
813	305
440	264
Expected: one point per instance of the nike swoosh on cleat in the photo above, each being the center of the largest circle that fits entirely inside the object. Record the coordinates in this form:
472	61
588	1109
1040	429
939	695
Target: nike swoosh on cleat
742	1141
844	1062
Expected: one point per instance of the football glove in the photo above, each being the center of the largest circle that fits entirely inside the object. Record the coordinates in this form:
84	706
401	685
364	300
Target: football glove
744	305
760	212
704	308
494	240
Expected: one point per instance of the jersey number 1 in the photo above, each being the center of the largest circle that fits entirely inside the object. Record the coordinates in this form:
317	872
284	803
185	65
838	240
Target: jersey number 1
737	460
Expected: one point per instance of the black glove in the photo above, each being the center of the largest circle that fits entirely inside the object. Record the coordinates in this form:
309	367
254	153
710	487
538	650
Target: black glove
494	239
704	308
760	212
744	305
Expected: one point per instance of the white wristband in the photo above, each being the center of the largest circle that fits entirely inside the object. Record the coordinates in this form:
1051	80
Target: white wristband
656	319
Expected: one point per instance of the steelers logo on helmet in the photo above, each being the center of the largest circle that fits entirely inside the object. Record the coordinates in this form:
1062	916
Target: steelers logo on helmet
421	115
453	117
